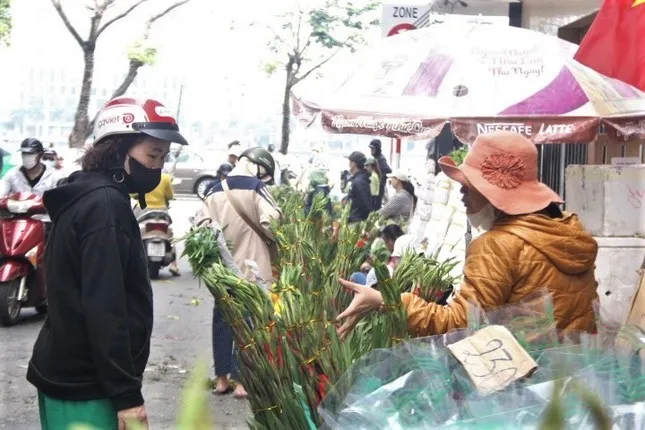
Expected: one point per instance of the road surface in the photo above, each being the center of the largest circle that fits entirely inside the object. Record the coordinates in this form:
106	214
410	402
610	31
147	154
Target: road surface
182	334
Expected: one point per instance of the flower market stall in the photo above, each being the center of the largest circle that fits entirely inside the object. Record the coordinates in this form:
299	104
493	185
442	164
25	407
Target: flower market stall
300	375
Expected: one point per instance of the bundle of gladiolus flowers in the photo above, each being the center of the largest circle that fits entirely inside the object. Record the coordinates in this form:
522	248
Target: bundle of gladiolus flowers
287	340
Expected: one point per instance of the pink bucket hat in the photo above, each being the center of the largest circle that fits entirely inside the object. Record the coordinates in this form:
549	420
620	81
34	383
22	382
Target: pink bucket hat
502	166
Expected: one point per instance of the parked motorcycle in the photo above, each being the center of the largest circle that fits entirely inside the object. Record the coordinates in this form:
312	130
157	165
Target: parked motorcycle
156	236
155	229
22	252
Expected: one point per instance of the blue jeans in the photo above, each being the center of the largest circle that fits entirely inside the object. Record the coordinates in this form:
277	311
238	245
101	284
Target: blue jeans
224	353
358	278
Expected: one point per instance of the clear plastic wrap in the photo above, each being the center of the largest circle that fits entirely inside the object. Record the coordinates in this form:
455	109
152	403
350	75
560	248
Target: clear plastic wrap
420	385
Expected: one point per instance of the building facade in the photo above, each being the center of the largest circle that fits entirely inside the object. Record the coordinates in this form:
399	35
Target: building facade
45	98
567	19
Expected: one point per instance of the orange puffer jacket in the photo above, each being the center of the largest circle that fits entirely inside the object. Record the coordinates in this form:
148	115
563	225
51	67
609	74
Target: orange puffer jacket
517	258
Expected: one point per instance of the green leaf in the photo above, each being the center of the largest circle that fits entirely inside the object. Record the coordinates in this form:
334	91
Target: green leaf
143	52
5	21
270	67
194	414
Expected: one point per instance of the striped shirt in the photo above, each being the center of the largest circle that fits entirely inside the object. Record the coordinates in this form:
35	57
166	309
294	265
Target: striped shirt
399	205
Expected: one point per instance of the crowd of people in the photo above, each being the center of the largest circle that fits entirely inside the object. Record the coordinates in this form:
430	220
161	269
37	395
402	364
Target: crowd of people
90	355
365	184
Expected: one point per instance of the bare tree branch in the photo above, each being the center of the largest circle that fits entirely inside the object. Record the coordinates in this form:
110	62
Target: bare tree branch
162	14
107	4
278	37
306	74
70	27
298	28
307	44
136	64
122	15
133	71
295	29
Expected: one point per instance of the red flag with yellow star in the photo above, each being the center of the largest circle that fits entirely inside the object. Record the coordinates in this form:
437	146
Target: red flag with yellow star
615	43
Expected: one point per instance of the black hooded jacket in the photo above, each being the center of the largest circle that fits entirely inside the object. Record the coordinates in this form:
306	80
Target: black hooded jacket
360	196
96	339
385	170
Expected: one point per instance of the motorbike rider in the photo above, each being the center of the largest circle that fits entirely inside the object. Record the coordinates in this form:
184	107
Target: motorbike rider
159	199
222	172
49	158
52	161
32	176
91	353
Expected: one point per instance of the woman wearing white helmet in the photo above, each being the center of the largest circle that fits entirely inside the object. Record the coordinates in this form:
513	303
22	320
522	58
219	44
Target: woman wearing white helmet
89	358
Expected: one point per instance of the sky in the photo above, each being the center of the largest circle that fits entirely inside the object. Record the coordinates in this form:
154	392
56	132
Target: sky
209	44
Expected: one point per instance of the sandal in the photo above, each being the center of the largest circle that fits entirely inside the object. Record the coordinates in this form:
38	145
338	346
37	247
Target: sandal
240	393
218	387
223	393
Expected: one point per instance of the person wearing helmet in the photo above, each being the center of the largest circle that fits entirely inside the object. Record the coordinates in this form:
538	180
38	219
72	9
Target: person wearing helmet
52	161
93	348
318	185
222	172
49	157
234	151
243	204
32	176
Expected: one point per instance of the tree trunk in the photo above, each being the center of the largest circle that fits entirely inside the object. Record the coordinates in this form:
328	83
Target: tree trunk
133	71
81	121
286	114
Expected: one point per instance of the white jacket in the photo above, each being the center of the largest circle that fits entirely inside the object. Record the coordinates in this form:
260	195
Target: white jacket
15	182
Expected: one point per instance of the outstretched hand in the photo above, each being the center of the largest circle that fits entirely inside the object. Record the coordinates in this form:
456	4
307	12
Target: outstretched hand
365	300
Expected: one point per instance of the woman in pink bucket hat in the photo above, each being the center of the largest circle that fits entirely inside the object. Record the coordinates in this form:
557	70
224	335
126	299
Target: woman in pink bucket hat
529	245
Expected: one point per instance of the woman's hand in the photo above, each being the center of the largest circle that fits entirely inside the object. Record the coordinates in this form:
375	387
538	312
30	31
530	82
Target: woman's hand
137	414
365	300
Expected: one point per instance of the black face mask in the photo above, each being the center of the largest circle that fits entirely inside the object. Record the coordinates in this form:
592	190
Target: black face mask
141	179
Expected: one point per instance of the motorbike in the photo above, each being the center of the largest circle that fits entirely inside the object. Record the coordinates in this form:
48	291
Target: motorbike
155	234
22	256
155	229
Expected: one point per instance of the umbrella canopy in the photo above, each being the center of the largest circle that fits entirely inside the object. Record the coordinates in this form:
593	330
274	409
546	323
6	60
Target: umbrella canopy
480	78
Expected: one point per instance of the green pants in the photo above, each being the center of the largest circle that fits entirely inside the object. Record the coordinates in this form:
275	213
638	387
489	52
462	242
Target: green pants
87	415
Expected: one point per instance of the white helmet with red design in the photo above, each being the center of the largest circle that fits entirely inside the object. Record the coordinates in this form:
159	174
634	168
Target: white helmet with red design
126	115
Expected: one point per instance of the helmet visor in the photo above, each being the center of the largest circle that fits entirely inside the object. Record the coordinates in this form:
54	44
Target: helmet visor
161	130
29	150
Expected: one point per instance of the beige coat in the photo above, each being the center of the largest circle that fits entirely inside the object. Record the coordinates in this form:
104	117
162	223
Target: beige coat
244	242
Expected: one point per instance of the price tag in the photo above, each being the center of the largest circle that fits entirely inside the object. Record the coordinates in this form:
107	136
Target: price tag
493	359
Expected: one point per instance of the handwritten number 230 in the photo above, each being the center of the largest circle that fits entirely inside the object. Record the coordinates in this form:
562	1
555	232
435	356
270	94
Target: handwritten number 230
494	345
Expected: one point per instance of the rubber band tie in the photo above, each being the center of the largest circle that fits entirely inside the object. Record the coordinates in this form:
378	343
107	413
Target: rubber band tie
252	343
317	355
269	409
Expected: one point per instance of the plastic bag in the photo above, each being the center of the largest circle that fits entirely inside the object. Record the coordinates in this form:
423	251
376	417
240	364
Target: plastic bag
421	385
